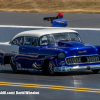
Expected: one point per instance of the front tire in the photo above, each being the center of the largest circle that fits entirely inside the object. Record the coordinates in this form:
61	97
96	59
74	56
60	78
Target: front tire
95	71
48	68
13	65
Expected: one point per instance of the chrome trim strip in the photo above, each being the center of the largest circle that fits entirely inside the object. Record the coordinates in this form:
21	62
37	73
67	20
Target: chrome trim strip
67	69
84	63
27	55
31	55
83	55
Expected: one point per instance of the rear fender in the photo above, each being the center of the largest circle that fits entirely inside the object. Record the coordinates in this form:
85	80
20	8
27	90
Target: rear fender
7	59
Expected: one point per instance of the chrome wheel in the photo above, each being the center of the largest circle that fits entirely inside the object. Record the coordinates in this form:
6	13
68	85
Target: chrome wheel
48	67
12	61
13	65
51	68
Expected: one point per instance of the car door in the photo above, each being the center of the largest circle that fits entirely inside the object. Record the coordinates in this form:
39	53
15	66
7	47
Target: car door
28	53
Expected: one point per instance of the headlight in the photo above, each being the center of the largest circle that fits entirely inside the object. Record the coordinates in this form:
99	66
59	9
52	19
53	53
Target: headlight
61	55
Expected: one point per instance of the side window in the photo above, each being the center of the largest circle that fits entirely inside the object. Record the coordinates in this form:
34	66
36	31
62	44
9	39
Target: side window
51	39
43	40
18	41
28	40
35	41
31	41
47	40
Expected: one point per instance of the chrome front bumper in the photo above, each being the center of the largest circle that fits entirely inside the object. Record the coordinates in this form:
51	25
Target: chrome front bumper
67	69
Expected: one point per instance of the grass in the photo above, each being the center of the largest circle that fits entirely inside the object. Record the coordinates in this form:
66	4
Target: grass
51	6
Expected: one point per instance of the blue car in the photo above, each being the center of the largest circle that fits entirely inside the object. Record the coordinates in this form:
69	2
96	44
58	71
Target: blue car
50	51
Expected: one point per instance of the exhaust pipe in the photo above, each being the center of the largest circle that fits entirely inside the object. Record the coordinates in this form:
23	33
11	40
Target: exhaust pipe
36	67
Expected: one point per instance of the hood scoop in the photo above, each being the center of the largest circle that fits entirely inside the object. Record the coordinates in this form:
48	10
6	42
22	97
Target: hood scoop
70	44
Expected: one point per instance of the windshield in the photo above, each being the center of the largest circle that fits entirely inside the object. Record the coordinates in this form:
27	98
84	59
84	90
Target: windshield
56	37
67	37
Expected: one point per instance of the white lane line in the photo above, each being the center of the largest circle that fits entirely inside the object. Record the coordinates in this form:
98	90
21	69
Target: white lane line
16	26
97	29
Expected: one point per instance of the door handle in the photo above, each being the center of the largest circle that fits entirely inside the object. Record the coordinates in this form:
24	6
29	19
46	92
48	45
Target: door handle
23	48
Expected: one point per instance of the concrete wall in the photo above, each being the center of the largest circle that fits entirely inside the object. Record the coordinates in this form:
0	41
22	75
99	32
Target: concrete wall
87	35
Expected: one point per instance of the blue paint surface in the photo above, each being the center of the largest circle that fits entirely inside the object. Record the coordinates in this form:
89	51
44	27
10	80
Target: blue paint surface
36	55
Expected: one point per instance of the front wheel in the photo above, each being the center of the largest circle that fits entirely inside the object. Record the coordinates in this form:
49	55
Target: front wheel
95	71
48	68
13	65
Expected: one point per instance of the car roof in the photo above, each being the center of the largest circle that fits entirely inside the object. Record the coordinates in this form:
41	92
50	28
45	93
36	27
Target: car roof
41	32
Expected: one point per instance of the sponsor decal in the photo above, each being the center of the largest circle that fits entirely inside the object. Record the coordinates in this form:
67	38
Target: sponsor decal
60	22
82	51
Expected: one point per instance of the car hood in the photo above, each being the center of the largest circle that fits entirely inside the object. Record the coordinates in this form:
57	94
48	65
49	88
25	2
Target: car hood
72	48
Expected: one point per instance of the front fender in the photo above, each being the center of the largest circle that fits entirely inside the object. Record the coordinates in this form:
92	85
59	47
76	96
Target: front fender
95	46
50	52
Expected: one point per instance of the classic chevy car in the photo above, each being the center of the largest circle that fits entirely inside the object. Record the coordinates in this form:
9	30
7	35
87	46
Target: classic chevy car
50	50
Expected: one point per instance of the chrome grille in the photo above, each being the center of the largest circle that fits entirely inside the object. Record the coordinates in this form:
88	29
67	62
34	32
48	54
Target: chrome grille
82	59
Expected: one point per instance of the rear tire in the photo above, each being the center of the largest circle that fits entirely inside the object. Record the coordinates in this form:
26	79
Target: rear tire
95	71
48	68
13	65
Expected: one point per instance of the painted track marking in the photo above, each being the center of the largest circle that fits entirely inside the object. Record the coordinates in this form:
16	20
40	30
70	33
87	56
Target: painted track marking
51	87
